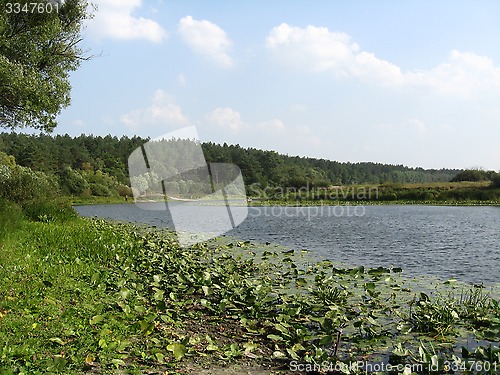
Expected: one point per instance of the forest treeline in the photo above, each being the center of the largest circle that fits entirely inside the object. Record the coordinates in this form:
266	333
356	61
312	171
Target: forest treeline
96	165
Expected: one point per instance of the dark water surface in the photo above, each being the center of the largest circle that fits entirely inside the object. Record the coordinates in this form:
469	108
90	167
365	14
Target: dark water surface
442	241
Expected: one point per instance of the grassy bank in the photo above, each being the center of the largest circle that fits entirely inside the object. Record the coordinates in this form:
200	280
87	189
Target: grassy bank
82	295
437	193
83	201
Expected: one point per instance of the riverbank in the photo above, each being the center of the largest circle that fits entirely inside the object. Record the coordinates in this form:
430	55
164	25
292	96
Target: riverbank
87	295
77	201
439	193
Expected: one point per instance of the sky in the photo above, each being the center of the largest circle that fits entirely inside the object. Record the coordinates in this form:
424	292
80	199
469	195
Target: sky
399	82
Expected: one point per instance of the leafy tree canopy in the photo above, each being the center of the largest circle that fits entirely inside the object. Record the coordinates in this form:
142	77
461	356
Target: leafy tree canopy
38	49
87	154
496	180
474	175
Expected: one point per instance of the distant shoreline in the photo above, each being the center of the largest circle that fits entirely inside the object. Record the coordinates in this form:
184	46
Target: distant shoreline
441	194
300	203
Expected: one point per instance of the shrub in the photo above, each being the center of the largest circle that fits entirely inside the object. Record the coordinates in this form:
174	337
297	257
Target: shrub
7	160
48	210
124	190
389	196
86	193
102	184
100	190
430	195
72	181
489	195
20	184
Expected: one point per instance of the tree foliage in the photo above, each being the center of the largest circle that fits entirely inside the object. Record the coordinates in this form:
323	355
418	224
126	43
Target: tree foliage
98	165
496	180
38	50
474	175
21	184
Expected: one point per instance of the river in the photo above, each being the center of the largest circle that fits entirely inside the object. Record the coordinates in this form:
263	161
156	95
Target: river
460	242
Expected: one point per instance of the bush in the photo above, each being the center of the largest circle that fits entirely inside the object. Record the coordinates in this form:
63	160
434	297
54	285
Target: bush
102	184
86	193
489	195
100	190
389	196
72	181
49	210
19	184
124	191
430	195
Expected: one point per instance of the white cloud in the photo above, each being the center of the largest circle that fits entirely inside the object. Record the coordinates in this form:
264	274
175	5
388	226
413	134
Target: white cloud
370	68
274	124
226	118
320	50
464	73
163	110
206	39
114	19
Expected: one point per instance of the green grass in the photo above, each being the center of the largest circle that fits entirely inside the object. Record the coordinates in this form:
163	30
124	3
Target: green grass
81	201
11	217
433	193
48	295
86	295
438	193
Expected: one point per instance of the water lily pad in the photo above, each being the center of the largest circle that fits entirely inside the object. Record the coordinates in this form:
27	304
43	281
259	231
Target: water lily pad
178	349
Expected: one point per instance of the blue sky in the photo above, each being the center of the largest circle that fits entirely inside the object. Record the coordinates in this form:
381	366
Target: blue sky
399	82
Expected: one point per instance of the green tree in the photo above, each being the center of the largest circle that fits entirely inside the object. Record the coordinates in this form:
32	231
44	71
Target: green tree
496	180
72	181
38	49
7	160
21	184
471	175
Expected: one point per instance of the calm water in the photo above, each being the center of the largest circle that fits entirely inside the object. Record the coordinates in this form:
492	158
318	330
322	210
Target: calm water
447	242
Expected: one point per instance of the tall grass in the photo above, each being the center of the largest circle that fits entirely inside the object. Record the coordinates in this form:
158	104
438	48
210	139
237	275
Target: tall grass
11	217
46	210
